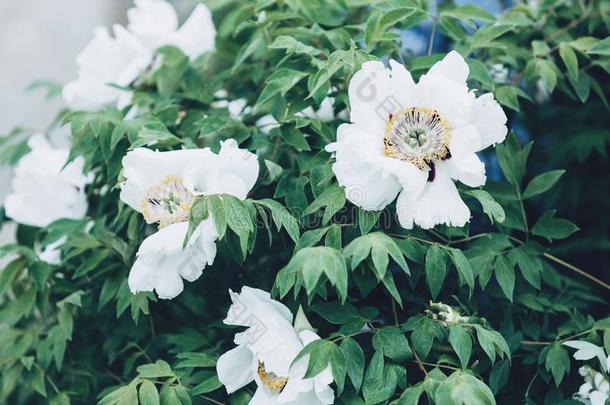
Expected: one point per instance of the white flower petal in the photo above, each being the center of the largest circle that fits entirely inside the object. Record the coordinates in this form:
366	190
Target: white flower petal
402	84
440	203
142	277
234	368
144	168
412	179
274	343
490	120
104	61
369	88
468	169
169	284
598	398
233	171
261	397
464	141
452	66
450	98
197	35
162	261
152	21
41	172
359	168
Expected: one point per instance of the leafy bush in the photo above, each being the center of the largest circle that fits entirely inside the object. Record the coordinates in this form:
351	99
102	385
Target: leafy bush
424	300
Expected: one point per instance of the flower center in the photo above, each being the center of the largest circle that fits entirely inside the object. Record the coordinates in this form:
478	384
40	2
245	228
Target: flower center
168	202
417	135
270	379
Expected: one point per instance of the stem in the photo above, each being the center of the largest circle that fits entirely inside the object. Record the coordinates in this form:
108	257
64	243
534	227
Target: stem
439	366
469	238
545	343
433	32
419	363
527	230
211	400
577	270
339	338
574	23
394	311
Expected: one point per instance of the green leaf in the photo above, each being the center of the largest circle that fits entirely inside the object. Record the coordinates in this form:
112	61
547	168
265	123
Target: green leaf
557	362
547	71
127	395
310	263
499	375
332	199
436	269
282	217
512	158
322	354
463	389
292	45
193	360
393	343
295	138
542	183
490	207
354	361
492	343
148	394
480	73
600	48
367	220
507	96
569	59
379	384
529	264
160	368
505	274
463	267
552	228
461	343
209	384
381	247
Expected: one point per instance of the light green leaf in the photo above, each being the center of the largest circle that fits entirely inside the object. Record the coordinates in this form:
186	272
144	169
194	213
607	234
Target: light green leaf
464	389
461	343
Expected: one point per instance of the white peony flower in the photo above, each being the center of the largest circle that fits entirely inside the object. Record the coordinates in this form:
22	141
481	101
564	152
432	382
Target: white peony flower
155	23
595	390
412	140
163	186
265	352
107	62
43	173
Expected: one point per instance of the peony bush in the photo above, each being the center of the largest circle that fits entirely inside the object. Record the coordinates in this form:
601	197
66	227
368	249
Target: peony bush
309	202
